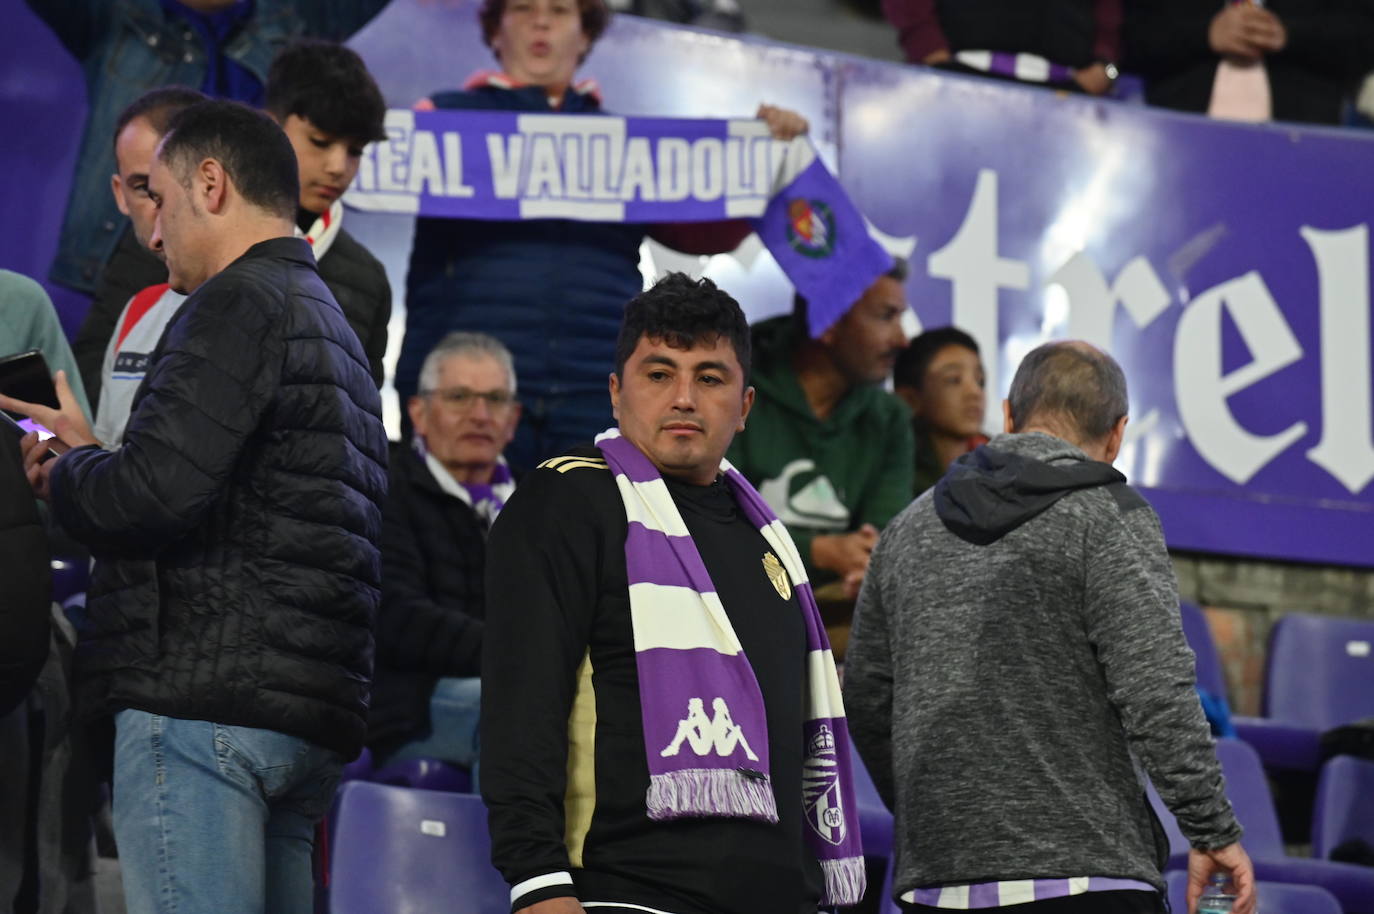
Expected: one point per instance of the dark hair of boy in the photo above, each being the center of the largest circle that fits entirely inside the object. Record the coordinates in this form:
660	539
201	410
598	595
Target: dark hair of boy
248	144
683	312
157	107
910	370
328	85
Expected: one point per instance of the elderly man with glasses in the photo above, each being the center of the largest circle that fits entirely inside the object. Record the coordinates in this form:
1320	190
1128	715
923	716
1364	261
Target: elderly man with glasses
444	494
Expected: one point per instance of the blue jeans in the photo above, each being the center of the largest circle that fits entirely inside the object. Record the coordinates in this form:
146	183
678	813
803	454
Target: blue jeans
214	818
454	708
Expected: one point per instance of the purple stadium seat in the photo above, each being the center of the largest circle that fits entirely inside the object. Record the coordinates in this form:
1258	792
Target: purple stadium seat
1319	675
1274	897
875	822
1345	804
424	774
400	850
1210	675
1246	787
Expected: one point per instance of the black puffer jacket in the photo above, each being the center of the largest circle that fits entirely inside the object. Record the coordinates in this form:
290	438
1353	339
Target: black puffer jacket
434	551
236	529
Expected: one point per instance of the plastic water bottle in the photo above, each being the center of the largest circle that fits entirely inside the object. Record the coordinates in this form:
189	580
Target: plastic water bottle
1219	897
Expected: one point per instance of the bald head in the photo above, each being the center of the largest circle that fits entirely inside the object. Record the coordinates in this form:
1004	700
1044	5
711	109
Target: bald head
1070	388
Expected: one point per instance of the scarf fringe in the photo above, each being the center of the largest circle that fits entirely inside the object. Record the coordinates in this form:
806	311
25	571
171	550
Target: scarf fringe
845	880
711	792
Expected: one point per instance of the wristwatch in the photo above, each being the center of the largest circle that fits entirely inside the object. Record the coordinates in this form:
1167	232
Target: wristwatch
1110	69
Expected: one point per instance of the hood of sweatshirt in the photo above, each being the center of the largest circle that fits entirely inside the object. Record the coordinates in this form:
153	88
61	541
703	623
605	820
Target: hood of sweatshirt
996	488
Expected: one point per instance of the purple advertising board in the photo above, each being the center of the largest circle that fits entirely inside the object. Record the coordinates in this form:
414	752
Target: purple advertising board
1225	266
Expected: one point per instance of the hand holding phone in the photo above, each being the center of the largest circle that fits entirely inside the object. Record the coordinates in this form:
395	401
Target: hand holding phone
67	422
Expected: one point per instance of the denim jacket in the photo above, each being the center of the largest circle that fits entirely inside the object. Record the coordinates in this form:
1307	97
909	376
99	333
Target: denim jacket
125	48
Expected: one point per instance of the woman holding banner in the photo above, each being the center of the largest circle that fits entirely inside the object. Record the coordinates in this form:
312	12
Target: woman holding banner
552	290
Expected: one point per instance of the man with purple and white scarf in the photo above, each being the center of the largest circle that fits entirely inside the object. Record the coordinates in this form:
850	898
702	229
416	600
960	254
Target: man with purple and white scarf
444	493
662	728
1017	661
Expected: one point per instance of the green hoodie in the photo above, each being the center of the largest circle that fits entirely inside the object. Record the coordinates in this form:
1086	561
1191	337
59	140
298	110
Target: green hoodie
821	477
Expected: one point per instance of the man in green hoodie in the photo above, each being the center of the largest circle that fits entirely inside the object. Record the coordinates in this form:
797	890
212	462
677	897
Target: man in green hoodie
827	447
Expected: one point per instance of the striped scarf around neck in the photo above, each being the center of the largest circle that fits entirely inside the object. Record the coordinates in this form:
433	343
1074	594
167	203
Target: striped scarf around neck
705	724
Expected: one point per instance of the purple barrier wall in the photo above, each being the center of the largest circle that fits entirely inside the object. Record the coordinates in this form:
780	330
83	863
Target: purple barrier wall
1227	267
42	106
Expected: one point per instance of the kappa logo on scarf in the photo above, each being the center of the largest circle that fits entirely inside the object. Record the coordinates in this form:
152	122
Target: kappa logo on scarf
821	788
704	734
811	228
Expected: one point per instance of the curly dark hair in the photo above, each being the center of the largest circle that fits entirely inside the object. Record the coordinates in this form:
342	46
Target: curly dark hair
596	15
683	312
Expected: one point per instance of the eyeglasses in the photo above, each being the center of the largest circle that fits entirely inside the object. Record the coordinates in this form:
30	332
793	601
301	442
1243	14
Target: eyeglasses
462	400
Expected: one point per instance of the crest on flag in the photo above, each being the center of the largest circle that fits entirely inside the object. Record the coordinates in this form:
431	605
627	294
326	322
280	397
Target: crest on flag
810	228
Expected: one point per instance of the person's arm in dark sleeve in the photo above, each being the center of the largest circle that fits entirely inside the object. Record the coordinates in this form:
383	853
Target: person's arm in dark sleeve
78	24
1160	42
702	238
543	580
1107	16
26	591
1132	619
868	678
375	343
918	28
205	394
414	632
1338	42
337	20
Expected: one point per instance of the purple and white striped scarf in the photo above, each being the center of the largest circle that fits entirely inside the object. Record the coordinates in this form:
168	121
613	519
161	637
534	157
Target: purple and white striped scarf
705	725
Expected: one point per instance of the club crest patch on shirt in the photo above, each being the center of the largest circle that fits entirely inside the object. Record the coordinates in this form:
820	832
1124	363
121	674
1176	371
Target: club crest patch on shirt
778	575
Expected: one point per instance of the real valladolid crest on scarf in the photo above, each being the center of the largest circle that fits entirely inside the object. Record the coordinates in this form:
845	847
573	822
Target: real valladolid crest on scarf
705	725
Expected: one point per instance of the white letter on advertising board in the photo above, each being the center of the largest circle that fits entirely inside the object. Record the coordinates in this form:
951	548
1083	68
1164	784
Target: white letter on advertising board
1346	450
1202	388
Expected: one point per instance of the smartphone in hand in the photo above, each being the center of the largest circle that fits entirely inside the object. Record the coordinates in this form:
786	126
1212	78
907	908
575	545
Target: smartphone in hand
25	376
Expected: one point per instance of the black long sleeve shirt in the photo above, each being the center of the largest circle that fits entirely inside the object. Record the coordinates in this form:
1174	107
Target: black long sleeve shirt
564	769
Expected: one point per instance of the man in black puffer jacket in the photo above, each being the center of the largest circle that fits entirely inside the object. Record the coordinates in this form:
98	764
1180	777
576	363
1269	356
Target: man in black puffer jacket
236	535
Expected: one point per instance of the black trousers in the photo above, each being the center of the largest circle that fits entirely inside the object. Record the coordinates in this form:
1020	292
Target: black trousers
1122	902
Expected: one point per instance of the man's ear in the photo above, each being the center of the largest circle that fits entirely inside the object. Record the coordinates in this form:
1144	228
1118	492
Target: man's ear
748	405
1114	440
614	385
415	406
1007	425
117	188
212	184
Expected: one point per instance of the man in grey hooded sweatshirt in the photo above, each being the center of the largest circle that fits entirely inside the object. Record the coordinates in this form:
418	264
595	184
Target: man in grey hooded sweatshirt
1017	657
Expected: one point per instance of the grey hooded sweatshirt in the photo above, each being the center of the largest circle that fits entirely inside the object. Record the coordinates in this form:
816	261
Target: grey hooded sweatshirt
1015	652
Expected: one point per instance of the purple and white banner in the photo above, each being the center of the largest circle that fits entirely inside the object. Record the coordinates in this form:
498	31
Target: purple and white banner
510	166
